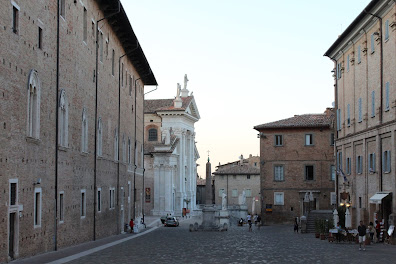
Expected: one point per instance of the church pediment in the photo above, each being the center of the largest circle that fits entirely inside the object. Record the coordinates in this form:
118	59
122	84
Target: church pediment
192	109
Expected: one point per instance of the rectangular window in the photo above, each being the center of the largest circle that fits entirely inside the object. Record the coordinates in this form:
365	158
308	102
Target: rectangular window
332	139
308	139
332	172
112	62
339	160
348	115
348	63
37	207
372	43
130	84
371	162
83	204
360	202
309	172
62	8
360	110
13	193
85	30
248	193
278	173
221	192
112	198
278	140
373	104
122	74
387	96
333	198
279	198
101	46
61	209
40	38
386	30
93	29
99	199
338	119
386	161
359	164
359	56
248	177
107	48
234	193
15	19
348	166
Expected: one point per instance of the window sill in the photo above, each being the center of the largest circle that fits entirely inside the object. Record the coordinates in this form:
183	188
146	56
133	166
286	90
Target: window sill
387	172
279	204
62	148
278	146
33	140
279	180
386	110
309	145
84	153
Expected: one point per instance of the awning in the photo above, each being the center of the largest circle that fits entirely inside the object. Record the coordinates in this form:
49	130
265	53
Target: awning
377	198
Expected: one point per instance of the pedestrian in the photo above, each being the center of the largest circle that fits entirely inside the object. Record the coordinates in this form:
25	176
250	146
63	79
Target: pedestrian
339	231
258	221
371	230
249	220
362	235
255	219
378	229
131	224
295	225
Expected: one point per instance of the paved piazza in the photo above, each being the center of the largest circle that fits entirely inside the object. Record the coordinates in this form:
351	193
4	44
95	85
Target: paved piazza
270	244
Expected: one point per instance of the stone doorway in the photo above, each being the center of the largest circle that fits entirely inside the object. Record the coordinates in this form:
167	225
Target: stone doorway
12	237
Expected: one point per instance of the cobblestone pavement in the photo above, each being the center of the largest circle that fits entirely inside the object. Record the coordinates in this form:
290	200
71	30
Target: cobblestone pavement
270	244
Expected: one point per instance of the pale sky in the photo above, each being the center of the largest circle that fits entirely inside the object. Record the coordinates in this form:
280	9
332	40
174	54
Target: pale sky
248	62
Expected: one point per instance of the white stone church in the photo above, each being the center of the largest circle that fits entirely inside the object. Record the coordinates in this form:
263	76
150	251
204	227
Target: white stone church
170	154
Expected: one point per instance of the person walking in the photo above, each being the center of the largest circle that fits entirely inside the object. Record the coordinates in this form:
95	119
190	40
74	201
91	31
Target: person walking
372	231
131	224
362	235
378	229
258	222
295	225
249	220
255	219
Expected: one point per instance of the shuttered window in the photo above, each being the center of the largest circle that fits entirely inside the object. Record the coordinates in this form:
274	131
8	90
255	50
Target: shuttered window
372	103
386	29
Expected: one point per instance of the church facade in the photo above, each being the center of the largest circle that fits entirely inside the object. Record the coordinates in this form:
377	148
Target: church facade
171	154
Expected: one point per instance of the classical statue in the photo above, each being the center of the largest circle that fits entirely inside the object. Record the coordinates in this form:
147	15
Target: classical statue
178	90
185	81
223	201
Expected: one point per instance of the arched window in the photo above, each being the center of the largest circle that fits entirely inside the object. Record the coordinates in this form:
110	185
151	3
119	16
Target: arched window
100	134
152	134
33	105
63	119
84	131
116	144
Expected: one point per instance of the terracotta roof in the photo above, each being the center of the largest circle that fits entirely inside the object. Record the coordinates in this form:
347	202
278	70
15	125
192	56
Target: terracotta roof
244	169
301	121
152	106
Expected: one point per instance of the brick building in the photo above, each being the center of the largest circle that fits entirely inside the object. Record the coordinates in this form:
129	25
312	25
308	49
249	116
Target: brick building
237	177
171	154
365	77
296	161
71	123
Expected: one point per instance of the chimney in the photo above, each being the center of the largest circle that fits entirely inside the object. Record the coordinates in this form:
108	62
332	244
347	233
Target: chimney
329	111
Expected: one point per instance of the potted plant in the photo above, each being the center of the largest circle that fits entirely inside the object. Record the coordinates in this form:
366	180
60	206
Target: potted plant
317	228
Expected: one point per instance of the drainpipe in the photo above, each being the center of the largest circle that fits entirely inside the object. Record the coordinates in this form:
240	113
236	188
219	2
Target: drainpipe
56	130
96	114
379	34
119	129
336	134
